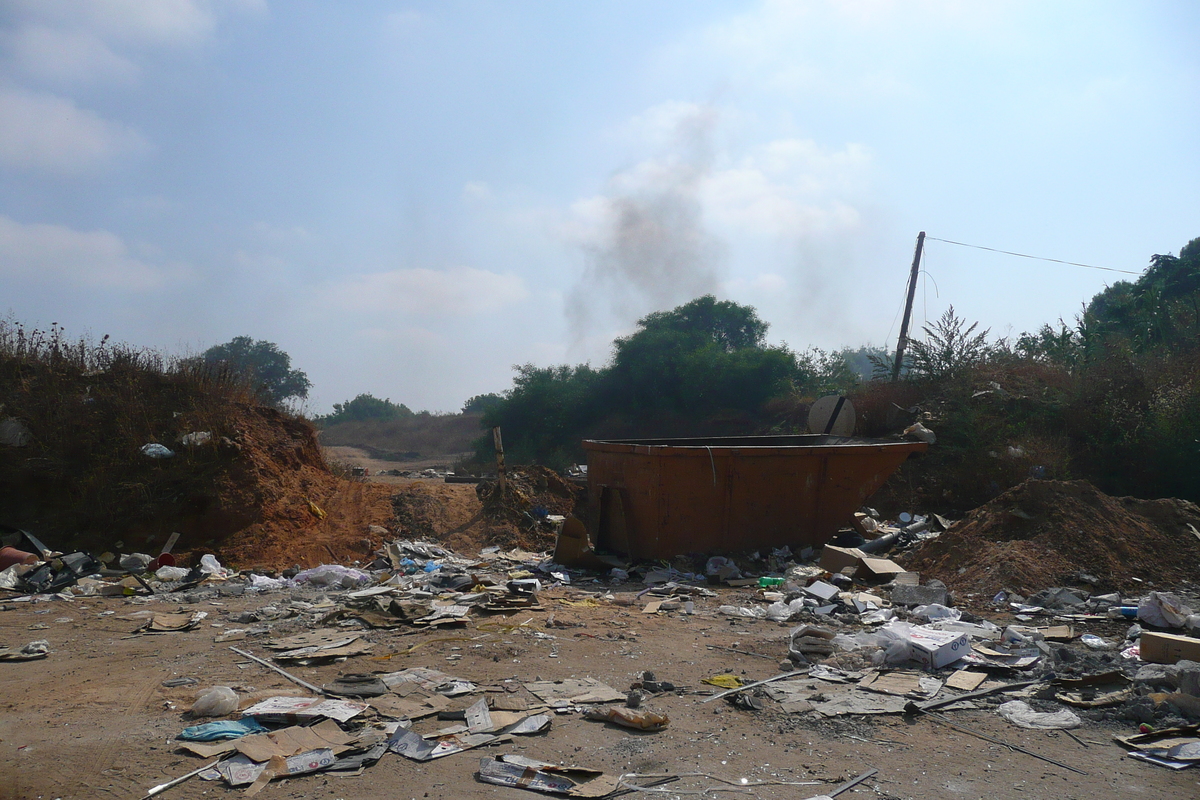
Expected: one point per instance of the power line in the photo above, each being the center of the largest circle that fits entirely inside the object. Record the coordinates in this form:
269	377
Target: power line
1036	258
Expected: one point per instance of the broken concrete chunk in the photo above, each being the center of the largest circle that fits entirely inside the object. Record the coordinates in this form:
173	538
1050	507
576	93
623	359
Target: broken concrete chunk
918	595
822	590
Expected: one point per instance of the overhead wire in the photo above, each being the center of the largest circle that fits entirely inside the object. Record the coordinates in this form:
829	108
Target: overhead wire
1036	258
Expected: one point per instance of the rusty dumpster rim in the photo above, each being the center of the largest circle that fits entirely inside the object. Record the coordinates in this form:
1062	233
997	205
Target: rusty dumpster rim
744	446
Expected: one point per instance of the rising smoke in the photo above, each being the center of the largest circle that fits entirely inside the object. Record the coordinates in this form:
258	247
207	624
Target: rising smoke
651	250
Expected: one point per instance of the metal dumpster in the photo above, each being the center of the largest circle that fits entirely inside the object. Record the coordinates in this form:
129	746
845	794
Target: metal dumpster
657	498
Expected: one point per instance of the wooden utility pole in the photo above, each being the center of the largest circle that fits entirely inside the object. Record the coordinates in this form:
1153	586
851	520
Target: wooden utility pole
902	342
496	440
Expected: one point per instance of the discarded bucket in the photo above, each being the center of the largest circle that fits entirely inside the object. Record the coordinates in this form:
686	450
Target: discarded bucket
163	560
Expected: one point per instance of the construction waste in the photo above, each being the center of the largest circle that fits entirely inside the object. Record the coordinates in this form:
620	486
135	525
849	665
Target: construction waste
859	634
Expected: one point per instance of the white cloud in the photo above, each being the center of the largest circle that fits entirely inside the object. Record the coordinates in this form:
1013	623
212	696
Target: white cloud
460	291
62	55
158	22
764	282
831	48
53	254
665	124
401	23
47	132
88	41
281	234
477	192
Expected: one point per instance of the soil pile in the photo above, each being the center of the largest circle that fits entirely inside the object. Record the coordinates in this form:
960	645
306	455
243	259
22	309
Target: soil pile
232	476
1041	534
530	494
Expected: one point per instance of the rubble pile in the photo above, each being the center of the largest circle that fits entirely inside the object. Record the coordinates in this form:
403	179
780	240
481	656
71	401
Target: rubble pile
1050	533
853	634
533	499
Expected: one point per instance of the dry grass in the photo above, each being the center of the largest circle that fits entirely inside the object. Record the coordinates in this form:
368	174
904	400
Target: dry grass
91	407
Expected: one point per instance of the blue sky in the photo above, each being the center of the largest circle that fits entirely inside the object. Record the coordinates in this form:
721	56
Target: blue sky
409	198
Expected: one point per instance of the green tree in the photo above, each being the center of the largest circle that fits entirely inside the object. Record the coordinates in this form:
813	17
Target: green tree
364	407
947	348
1160	309
544	415
862	362
1062	345
726	324
481	403
267	368
702	356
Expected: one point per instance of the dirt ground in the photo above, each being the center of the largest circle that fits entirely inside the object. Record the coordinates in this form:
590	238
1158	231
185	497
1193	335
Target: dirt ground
94	721
358	457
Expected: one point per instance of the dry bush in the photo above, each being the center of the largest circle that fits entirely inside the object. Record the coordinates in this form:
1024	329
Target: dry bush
91	407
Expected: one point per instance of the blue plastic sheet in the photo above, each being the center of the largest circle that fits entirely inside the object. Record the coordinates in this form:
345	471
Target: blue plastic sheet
219	731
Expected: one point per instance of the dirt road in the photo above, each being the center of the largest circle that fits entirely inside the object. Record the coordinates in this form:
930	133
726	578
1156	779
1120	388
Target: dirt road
94	721
358	457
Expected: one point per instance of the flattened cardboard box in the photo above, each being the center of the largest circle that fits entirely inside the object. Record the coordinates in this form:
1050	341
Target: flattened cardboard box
1167	648
835	559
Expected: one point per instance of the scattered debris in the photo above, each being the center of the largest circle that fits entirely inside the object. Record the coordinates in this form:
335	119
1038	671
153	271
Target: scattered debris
629	718
215	702
30	652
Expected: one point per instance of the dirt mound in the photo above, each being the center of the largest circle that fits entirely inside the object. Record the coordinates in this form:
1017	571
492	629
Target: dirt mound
530	494
1045	533
240	479
453	515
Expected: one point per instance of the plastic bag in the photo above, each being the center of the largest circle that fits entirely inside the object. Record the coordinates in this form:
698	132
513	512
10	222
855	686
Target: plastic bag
195	438
877	616
261	583
722	568
1022	715
1095	642
1163	610
155	450
782	612
215	702
756	612
333	575
210	566
936	612
171	573
135	562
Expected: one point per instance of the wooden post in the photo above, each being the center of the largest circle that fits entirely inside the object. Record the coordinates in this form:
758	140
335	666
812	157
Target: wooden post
902	342
496	440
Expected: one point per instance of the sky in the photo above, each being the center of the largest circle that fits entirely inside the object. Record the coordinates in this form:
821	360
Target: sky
409	198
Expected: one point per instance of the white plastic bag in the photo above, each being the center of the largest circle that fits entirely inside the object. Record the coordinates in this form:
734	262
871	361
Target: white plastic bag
722	568
756	612
1163	610
155	450
261	583
1022	715
195	438
210	566
333	575
217	701
171	573
878	616
782	612
936	612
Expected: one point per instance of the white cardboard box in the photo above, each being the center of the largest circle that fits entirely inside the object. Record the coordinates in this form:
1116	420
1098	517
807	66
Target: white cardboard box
934	649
